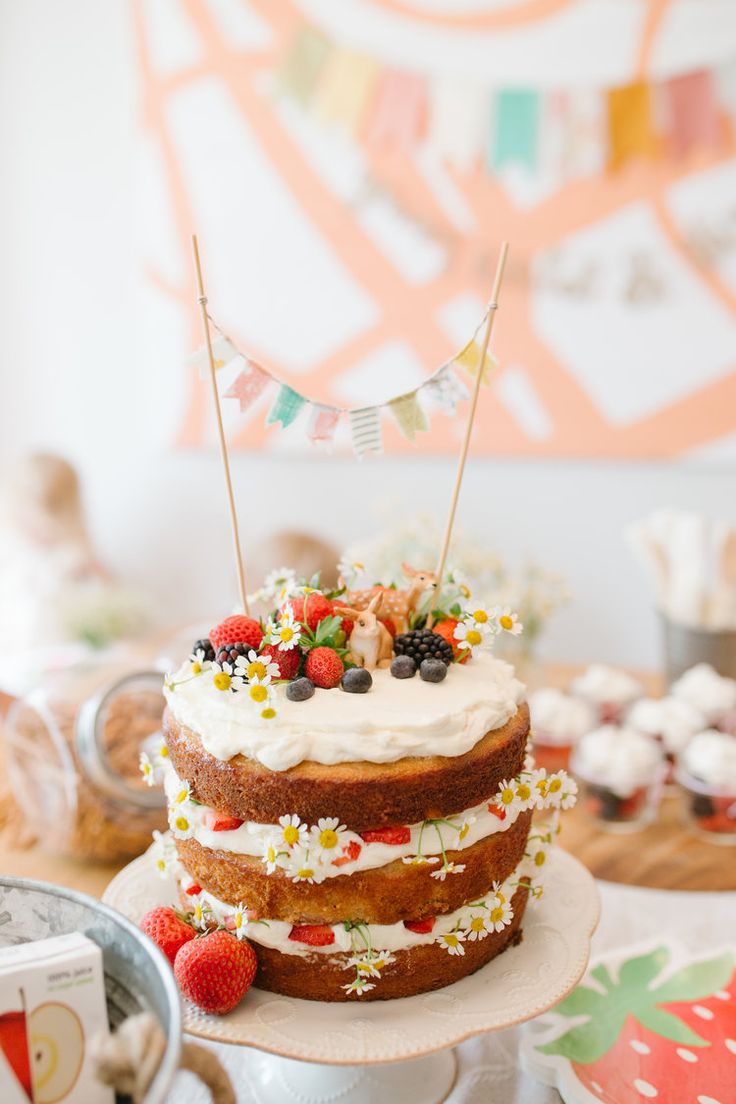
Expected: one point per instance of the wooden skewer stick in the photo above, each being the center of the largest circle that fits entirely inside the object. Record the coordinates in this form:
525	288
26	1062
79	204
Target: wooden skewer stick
202	299
492	309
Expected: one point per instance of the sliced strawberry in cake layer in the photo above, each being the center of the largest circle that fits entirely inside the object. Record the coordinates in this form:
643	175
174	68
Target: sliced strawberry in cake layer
349	854
220	822
395	836
315	935
421	927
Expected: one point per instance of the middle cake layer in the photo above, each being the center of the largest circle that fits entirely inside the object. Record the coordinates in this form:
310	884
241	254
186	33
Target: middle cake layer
400	890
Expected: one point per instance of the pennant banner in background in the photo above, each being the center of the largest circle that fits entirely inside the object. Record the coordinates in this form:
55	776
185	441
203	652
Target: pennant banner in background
223	351
443	390
365	427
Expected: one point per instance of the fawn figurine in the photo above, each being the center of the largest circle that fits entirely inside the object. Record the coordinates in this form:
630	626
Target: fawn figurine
396	604
371	644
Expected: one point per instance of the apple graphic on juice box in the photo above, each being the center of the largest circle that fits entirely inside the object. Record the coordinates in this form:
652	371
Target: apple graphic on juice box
44	1050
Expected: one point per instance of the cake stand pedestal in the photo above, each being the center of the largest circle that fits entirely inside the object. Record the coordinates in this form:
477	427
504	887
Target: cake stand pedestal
378	1052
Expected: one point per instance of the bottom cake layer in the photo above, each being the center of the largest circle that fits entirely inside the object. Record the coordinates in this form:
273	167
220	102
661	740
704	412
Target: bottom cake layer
419	959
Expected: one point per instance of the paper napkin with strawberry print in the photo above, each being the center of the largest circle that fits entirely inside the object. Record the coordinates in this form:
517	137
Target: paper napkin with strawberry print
650	1024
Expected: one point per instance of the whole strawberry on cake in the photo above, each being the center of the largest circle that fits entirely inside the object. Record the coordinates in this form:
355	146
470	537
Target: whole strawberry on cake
349	788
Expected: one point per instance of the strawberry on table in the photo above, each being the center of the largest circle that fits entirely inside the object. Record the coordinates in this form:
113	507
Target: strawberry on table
215	971
315	935
672	1040
395	836
168	930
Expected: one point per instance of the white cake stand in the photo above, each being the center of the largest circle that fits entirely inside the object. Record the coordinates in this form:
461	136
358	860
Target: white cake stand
315	1053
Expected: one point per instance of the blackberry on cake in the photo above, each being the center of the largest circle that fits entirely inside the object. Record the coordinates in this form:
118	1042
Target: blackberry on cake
205	646
423	644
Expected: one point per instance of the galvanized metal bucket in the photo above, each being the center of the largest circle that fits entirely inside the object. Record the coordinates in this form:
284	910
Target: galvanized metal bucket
685	646
137	976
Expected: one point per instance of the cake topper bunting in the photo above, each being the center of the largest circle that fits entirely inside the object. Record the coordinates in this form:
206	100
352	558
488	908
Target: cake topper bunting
491	314
202	299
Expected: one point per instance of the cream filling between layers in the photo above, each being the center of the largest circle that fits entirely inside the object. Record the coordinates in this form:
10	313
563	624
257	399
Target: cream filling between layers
381	937
453	833
397	718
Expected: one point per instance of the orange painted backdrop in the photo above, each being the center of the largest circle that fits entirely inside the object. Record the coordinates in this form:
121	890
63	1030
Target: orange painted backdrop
617	335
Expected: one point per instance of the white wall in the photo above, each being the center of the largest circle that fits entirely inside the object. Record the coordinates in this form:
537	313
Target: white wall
81	373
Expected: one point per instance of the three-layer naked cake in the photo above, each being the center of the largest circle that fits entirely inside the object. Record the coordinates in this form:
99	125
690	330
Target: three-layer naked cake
370	839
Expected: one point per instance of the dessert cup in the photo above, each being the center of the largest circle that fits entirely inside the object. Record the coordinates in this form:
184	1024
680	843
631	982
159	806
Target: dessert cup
710	810
620	772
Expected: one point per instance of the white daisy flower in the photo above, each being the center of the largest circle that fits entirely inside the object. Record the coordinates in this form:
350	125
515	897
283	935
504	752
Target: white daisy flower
481	617
469	634
161	757
146	768
536	852
445	869
507	797
259	692
200	914
274	856
460	582
328	838
285	632
371	963
359	985
501	913
507	621
293	832
257	668
561	790
526	796
198	662
305	873
182	795
452	942
238	921
280	583
224	677
163	853
537	779
420	860
180	823
464	828
350	569
479	926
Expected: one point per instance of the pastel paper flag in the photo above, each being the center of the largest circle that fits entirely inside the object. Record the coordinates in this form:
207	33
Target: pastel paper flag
365	430
287	405
469	359
399	114
409	415
631	124
248	385
223	351
446	391
345	89
304	63
515	128
322	424
693	112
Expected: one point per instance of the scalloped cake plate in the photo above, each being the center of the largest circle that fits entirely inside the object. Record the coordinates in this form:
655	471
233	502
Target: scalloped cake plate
521	983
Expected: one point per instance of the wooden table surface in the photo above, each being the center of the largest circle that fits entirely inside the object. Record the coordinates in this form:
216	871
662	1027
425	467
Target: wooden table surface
664	855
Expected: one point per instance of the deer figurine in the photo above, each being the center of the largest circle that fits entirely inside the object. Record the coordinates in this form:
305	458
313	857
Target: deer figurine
371	644
396	604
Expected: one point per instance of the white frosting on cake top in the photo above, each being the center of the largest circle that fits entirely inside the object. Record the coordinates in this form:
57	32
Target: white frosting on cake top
397	718
711	756
601	684
559	718
704	689
619	758
674	720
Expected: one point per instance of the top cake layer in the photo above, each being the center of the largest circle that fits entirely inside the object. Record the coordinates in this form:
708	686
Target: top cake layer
406	718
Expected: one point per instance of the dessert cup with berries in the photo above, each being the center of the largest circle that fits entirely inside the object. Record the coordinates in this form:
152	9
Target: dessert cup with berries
558	721
706	773
621	772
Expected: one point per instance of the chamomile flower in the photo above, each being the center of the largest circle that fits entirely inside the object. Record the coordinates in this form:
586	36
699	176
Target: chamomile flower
257	668
447	868
471	634
359	985
480	616
420	860
285	632
465	827
163	853
183	794
537	779
349	570
371	963
161	757
536	852
305	873
238	921
180	823
259	691
479	926
328	838
274	856
507	621
460	582
146	768
225	677
452	942
561	790
198	661
500	914
293	832
507	797
526	796
280	583
200	914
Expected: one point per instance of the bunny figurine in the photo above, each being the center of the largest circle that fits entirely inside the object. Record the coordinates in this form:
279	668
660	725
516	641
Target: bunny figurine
371	644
